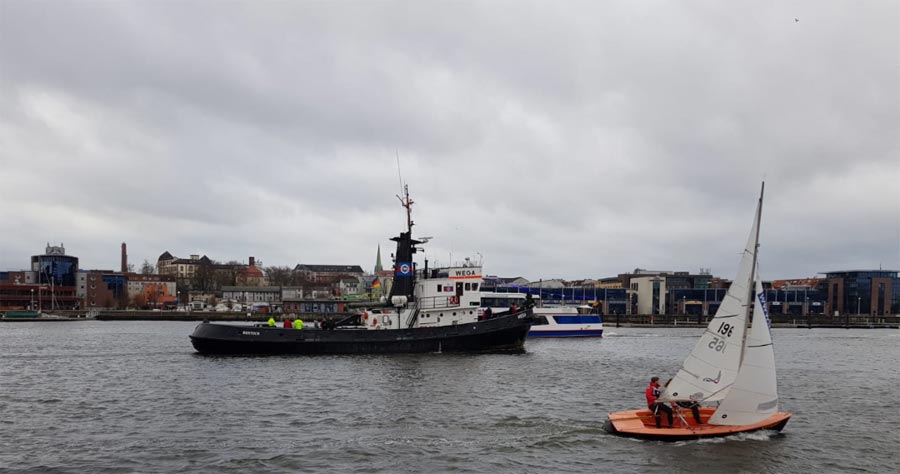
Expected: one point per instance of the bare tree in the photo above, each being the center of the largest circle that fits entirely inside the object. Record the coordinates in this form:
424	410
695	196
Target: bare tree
203	279
279	276
147	268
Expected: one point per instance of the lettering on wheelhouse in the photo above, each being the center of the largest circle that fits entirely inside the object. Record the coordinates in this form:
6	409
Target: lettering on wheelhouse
464	273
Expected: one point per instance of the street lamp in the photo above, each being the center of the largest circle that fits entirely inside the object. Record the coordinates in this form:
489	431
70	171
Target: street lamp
858	305
31	307
683	305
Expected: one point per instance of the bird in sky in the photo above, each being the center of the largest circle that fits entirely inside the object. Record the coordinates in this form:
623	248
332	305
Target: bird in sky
796	20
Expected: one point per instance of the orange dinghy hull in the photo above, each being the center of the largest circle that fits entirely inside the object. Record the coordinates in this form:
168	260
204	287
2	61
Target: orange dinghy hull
642	424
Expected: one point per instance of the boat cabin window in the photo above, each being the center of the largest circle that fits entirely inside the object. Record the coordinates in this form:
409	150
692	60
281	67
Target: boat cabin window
468	287
439	287
474	286
539	320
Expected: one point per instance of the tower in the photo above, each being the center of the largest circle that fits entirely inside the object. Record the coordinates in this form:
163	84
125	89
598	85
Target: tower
124	259
378	267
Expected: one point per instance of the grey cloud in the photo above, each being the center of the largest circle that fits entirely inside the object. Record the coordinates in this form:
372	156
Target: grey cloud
566	140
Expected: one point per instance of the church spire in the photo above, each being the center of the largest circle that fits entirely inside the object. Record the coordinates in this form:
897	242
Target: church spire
378	267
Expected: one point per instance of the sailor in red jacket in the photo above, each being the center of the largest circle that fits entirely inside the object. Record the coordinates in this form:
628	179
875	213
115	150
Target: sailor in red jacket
656	407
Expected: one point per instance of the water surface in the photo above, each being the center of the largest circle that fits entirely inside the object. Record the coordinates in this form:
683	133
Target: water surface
122	397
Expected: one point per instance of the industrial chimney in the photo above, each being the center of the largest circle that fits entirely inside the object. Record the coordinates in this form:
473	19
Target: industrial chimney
124	259
252	261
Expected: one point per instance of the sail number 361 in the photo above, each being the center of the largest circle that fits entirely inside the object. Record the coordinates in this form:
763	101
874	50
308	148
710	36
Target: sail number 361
726	329
718	344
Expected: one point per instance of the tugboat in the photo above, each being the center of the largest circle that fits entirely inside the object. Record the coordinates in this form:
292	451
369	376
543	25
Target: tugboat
427	310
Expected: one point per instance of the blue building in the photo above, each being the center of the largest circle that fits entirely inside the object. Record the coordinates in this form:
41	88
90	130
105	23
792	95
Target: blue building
54	267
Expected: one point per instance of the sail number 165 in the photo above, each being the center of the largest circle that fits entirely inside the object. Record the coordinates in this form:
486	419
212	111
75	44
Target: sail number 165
717	344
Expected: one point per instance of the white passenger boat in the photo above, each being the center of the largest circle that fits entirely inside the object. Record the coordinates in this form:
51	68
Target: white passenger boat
549	321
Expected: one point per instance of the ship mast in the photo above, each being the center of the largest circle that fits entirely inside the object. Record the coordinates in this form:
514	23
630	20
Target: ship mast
407	203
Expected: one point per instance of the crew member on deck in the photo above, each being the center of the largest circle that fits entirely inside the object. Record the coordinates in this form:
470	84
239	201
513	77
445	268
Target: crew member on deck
287	323
298	323
656	407
271	321
693	406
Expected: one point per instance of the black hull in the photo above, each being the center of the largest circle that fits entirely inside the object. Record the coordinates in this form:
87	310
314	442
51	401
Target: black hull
505	334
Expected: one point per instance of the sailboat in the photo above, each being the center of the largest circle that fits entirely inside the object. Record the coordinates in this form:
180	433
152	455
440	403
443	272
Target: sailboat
730	372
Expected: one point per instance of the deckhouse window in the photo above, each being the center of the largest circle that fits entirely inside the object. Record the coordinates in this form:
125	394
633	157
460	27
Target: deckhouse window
474	286
439	287
468	286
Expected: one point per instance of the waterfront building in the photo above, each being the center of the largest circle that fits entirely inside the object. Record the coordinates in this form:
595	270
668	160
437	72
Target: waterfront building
203	274
318	273
103	289
250	295
21	277
348	286
49	285
870	292
54	267
151	290
551	283
610	282
659	291
291	292
315	307
250	275
23	296
651	293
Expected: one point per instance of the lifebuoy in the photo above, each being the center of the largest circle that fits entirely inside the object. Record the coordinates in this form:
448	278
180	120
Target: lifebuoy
454	300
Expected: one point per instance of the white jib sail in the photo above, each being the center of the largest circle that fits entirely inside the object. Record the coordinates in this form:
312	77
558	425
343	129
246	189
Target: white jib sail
710	369
754	395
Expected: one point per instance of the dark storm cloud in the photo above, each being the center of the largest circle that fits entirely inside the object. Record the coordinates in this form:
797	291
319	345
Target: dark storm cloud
575	140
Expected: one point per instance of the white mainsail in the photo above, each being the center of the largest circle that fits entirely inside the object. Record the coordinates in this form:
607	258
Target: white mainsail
754	395
711	368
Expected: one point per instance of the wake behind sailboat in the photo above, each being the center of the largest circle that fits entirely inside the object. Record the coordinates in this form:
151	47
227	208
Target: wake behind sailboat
732	368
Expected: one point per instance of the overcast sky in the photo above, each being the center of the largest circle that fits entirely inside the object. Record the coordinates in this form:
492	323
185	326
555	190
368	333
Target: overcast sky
552	139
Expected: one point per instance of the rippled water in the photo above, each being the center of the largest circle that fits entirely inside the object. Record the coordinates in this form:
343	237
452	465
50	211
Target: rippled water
135	397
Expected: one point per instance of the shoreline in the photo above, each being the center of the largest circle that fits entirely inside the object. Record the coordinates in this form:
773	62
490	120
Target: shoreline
261	318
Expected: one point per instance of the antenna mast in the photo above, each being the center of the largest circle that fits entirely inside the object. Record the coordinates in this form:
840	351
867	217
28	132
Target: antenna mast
405	201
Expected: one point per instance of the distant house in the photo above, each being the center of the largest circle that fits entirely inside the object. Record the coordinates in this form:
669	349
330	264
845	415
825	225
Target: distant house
349	286
250	275
554	283
327	272
291	292
186	269
495	281
252	294
151	290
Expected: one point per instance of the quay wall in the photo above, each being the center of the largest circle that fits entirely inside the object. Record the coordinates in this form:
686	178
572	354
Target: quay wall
609	321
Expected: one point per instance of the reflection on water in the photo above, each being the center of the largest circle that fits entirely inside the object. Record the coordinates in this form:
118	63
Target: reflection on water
123	397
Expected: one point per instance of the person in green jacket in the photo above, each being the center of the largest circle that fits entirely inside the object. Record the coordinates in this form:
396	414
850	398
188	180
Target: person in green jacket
298	324
271	321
